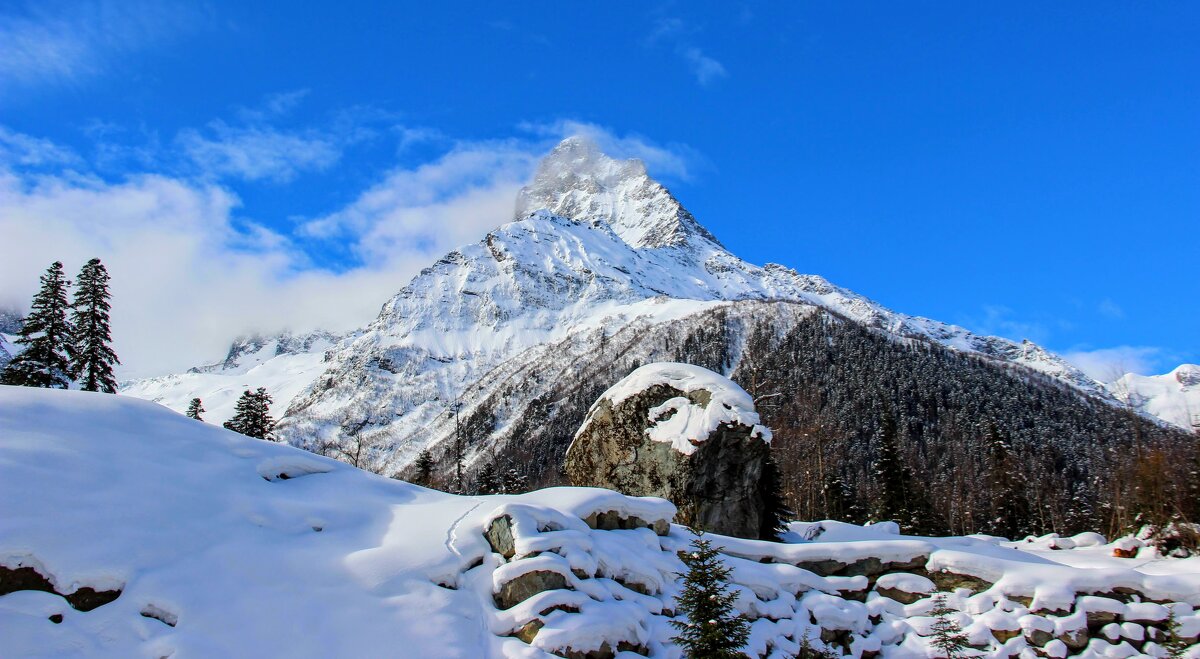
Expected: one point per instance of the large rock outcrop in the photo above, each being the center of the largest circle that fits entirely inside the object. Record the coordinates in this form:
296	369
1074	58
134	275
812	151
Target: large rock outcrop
683	433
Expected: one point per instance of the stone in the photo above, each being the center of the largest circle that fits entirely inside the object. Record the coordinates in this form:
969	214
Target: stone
499	535
1038	637
527	585
716	481
529	630
1004	635
950	581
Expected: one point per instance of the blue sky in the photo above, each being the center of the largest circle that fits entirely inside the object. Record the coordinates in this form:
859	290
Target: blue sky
1021	169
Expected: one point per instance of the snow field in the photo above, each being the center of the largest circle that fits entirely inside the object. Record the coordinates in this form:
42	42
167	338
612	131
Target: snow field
209	543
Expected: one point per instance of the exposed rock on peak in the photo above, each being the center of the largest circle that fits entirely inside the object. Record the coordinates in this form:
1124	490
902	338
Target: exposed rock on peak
578	181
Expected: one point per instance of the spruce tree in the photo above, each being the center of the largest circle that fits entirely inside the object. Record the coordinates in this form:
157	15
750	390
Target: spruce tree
775	514
711	630
195	409
948	637
252	416
47	337
424	467
1009	501
93	358
487	481
1175	645
513	482
890	474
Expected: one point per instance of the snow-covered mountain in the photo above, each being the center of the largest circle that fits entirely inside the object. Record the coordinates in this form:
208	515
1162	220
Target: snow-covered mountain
1173	397
285	364
596	246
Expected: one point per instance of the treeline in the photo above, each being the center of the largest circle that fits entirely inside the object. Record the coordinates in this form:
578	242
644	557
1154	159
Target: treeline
64	342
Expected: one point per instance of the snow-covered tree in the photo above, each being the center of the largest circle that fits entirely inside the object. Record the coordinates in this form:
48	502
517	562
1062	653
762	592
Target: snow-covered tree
487	481
1010	506
195	409
1175	644
710	628
47	337
948	638
512	481
93	358
252	415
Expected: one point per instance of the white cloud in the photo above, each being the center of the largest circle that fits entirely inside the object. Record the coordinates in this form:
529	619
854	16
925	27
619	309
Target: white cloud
705	68
676	33
671	161
428	210
1110	309
258	153
1108	364
23	150
66	42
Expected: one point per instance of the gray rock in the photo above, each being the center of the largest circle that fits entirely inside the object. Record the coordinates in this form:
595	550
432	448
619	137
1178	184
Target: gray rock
499	536
527	585
717	487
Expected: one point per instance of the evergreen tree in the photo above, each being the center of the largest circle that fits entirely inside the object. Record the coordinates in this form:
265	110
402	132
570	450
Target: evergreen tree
487	481
93	358
891	475
948	637
195	409
424	466
712	630
47	337
775	514
1010	505
252	416
513	482
1175	645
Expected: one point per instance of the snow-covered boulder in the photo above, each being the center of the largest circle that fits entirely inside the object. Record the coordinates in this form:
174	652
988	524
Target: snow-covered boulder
683	433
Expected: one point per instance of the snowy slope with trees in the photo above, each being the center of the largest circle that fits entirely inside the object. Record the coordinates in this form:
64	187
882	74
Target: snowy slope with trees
284	365
128	530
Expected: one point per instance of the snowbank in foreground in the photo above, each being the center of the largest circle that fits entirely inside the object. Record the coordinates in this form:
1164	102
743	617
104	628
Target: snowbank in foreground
170	537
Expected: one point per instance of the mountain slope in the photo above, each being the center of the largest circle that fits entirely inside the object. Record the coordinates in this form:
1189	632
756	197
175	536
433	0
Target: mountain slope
284	364
1173	397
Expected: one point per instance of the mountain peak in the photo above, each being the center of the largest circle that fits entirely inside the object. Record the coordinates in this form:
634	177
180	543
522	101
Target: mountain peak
577	180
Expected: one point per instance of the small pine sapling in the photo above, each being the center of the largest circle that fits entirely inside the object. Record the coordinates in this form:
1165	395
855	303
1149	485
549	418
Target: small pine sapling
711	629
948	639
195	409
1174	644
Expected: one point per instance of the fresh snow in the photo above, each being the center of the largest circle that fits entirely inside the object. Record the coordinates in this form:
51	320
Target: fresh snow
223	545
1173	397
285	365
683	422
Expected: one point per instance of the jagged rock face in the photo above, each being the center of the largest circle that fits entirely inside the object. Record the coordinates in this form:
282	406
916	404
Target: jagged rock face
637	445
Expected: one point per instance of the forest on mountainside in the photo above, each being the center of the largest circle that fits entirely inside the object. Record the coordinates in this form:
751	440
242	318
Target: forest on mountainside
868	426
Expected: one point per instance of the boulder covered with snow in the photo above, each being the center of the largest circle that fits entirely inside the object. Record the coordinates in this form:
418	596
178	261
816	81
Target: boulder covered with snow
683	433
